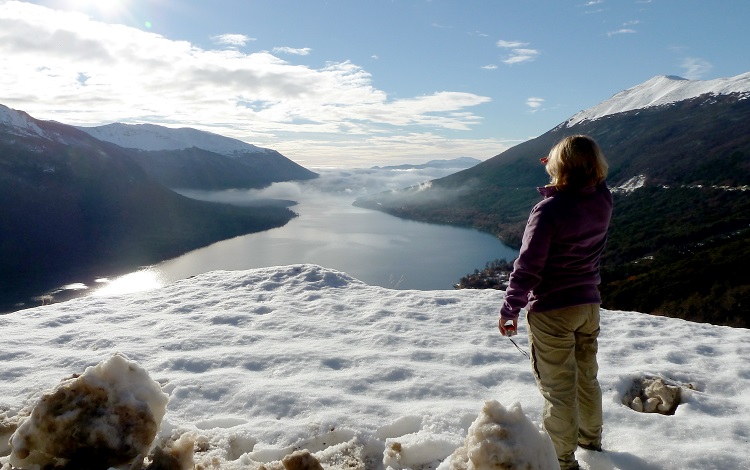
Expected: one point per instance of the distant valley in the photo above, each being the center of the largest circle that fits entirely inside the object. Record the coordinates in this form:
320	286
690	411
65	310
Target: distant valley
454	163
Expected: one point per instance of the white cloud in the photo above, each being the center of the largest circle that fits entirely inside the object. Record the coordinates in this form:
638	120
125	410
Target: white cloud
489	67
292	50
590	7
521	55
67	67
518	52
625	29
510	44
236	40
695	68
621	31
534	103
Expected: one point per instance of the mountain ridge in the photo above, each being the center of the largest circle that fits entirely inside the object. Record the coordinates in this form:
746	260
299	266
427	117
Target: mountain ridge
662	90
156	137
188	158
457	163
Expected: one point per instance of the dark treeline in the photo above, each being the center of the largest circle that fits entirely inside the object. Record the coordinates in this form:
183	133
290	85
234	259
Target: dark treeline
677	252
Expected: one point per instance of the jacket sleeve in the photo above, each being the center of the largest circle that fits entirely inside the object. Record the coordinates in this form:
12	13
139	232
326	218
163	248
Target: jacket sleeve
537	238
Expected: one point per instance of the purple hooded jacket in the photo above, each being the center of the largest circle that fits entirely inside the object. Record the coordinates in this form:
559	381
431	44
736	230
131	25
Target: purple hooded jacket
558	265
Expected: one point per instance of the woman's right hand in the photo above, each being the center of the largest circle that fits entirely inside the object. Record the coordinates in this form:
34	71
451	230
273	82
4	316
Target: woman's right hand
507	327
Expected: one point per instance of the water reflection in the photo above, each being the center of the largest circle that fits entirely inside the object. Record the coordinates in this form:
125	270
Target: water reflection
139	281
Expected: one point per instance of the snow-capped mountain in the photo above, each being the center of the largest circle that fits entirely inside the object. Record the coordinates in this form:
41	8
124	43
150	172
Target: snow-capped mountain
666	131
177	158
19	123
153	137
192	159
662	90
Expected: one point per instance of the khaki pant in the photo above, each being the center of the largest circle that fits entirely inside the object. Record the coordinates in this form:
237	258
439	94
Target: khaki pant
563	356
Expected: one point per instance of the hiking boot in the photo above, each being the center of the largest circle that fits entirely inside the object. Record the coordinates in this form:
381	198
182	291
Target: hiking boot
594	447
569	466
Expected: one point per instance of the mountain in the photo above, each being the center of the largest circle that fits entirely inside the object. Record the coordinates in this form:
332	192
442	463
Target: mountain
193	159
663	90
679	155
454	163
72	205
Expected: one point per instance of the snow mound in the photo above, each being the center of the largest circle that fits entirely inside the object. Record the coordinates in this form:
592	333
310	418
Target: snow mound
503	438
107	416
662	90
653	395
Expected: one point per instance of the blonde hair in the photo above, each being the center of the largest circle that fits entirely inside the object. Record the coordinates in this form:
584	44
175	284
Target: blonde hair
576	162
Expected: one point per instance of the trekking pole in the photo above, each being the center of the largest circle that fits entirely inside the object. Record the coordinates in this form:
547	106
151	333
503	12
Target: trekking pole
512	332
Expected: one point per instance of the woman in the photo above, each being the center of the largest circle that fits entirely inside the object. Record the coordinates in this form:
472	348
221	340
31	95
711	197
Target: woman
556	277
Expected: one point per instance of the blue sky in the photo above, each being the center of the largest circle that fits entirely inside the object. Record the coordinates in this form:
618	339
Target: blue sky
355	83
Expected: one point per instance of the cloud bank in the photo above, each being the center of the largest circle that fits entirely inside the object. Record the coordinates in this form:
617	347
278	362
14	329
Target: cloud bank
67	67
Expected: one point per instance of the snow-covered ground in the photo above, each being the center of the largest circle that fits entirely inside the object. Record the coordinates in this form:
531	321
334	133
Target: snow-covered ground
263	362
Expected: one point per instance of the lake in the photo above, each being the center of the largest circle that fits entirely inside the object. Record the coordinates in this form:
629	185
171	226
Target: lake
374	247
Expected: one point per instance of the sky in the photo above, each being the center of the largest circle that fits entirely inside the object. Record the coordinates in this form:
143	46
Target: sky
258	363
344	83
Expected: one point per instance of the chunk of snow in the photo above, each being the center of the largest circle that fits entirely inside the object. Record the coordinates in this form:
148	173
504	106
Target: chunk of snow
503	438
107	416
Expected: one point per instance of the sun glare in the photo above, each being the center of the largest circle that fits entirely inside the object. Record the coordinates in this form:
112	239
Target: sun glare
134	282
105	8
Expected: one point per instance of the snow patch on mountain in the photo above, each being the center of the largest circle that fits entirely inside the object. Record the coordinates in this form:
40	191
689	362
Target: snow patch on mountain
154	137
631	185
662	90
19	122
